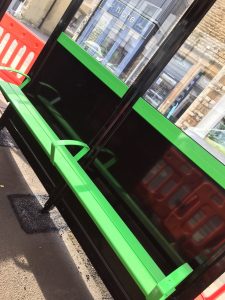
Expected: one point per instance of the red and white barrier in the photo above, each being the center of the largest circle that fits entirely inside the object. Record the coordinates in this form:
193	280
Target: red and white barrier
216	291
19	48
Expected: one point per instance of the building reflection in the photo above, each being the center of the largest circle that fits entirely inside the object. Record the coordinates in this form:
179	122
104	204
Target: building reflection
190	90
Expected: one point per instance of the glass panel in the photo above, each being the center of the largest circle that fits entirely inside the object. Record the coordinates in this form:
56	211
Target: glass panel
154	188
207	229
165	199
82	16
123	35
77	107
198	217
190	91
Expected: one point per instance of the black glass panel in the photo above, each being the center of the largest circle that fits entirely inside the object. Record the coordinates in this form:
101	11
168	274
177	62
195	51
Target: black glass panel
161	194
171	206
76	103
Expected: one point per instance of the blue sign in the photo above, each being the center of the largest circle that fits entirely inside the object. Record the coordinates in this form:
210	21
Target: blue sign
129	16
118	9
143	26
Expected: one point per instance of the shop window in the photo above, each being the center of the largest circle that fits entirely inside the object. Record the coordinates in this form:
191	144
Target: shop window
124	35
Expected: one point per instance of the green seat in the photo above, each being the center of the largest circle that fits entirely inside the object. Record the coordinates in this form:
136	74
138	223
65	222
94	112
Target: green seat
142	268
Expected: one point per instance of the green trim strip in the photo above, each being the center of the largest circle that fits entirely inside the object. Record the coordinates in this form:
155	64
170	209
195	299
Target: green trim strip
206	161
107	77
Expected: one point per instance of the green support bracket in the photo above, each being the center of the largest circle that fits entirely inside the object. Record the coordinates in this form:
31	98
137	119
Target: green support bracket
77	157
111	161
168	285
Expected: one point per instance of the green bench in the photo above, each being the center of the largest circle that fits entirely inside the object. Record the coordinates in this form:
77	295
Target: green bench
142	268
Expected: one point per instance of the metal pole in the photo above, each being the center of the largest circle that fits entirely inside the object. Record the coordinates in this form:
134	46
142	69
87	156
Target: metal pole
49	46
3	7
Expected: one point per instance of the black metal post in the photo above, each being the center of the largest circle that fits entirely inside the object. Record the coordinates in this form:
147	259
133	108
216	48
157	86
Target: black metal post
54	198
172	7
3	7
49	46
5	117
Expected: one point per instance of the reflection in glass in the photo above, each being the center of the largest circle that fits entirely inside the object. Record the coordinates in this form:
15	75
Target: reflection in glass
81	18
123	35
217	134
173	209
190	91
173	201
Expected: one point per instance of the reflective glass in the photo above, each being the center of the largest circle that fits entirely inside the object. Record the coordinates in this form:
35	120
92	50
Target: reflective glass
124	35
163	197
190	91
172	207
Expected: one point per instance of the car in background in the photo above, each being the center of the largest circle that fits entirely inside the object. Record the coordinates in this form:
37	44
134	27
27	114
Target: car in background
93	49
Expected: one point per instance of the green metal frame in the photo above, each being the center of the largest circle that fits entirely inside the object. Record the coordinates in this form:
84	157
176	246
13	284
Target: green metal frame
196	153
142	268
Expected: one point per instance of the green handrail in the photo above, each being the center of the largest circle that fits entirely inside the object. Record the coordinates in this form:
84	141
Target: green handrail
25	82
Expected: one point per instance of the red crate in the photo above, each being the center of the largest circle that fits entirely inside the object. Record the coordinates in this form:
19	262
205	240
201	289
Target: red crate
218	294
198	223
168	183
19	48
